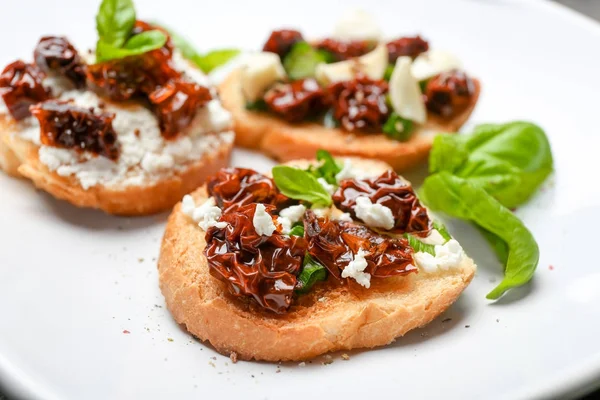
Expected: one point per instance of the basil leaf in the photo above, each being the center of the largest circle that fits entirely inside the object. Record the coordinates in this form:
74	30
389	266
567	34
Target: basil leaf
302	60
297	230
312	272
498	245
464	199
187	50
509	161
441	228
300	185
329	168
214	59
419	246
138	44
389	70
258	105
398	128
114	21
423	85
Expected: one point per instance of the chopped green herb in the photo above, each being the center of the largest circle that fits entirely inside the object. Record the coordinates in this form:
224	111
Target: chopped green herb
312	272
419	246
329	168
389	70
258	105
297	229
441	228
423	85
398	128
302	60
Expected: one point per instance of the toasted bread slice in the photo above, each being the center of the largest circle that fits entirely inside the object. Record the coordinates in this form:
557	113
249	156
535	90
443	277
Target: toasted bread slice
20	157
284	141
330	317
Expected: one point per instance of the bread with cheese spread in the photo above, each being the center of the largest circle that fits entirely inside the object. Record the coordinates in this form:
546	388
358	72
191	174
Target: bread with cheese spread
328	318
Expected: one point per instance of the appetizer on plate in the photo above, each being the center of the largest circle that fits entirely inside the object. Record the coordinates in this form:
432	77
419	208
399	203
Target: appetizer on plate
129	128
354	94
324	256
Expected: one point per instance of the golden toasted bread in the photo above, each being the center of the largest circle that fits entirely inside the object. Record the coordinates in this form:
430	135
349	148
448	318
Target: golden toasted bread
284	141
330	317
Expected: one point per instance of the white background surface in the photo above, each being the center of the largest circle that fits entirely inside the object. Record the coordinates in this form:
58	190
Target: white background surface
72	281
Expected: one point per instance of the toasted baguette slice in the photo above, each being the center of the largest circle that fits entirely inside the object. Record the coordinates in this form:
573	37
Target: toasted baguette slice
284	141
19	157
330	317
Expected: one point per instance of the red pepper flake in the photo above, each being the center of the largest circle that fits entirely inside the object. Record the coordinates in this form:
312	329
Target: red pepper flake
551	267
126	332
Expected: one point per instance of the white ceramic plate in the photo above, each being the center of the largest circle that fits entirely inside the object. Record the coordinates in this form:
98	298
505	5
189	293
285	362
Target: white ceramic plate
81	313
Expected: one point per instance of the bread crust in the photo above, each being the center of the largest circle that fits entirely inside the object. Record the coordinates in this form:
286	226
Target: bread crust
284	141
19	157
331	317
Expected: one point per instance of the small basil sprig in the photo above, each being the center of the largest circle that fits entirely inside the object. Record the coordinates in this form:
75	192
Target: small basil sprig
312	272
302	60
297	229
419	246
299	184
398	128
114	22
441	228
464	199
206	62
328	167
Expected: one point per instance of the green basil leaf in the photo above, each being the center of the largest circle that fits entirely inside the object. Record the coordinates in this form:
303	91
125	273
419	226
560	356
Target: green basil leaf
419	246
463	199
114	21
389	70
302	60
509	161
423	85
498	245
398	128
138	44
441	228
300	185
187	50
312	272
297	230
329	168
214	59
258	105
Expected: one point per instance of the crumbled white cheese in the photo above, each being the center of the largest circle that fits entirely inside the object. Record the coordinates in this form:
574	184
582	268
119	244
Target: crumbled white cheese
373	215
349	171
290	215
405	94
322	212
260	71
344	217
434	238
357	25
355	269
329	188
152	162
448	255
432	63
206	215
262	221
372	64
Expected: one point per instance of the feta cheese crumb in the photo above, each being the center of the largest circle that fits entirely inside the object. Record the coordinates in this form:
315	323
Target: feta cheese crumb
329	188
344	217
322	212
373	215
206	215
289	216
347	171
448	255
355	269
263	222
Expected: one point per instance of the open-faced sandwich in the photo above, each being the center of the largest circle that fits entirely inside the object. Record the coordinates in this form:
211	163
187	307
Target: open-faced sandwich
324	256
353	94
128	128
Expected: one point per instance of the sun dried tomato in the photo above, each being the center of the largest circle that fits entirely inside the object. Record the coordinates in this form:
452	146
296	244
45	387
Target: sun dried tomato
261	267
65	125
391	191
20	87
449	93
343	50
280	42
176	104
334	244
57	54
233	188
360	104
406	46
297	100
